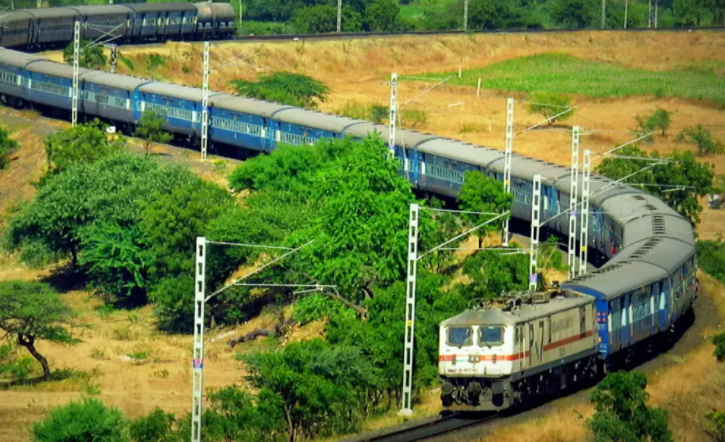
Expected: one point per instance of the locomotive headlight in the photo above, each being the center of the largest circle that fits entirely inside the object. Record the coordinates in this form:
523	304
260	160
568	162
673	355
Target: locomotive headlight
474	358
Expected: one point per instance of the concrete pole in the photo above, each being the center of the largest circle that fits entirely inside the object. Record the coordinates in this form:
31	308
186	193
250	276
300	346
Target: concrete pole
626	6
507	161
205	103
465	16
339	16
584	236
393	116
409	343
478	89
76	69
197	364
114	58
535	224
604	13
573	186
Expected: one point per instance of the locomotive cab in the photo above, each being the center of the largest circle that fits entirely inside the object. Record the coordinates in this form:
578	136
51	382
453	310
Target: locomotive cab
477	354
497	354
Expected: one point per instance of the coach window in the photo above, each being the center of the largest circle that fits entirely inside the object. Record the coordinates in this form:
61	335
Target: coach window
488	336
460	336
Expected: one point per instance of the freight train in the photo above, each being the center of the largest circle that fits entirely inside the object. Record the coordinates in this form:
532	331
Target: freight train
506	355
129	23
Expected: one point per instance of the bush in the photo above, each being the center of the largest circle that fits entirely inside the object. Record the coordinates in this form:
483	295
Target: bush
88	420
719	341
285	88
550	104
158	426
703	140
622	413
91	58
7	146
711	258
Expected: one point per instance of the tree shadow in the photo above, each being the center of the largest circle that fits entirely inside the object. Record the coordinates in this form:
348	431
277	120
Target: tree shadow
66	278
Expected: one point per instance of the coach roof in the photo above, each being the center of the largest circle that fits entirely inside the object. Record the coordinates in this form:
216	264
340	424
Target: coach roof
93	10
615	279
162	7
116	81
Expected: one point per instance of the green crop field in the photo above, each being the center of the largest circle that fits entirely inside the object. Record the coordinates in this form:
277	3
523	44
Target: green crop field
562	73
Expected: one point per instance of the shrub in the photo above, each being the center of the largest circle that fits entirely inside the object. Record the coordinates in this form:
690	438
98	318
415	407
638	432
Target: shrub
719	341
703	140
91	58
156	427
550	105
7	146
88	420
285	88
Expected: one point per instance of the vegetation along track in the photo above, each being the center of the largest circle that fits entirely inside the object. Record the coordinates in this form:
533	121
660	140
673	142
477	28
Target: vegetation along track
436	427
359	35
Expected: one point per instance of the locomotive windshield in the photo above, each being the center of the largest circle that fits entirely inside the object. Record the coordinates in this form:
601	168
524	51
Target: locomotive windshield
490	335
459	336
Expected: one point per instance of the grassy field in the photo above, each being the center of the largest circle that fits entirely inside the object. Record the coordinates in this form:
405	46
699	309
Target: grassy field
564	73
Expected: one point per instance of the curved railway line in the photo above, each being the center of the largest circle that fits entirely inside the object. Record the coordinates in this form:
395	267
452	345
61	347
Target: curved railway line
650	247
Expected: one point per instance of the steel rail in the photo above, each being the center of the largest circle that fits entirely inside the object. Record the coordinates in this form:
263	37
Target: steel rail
437	427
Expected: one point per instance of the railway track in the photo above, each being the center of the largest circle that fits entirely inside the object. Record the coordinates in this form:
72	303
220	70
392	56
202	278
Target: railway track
426	430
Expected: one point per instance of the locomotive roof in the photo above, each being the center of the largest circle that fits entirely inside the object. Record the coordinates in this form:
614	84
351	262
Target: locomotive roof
524	313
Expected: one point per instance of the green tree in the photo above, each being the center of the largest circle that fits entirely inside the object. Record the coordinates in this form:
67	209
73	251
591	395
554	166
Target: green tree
480	193
485	15
113	257
285	88
550	257
318	19
683	169
151	130
111	190
84	143
7	146
658	120
719	342
711	258
492	273
30	311
88	420
622	414
574	14
91	57
322	389
361	227
382	15
551	105
702	139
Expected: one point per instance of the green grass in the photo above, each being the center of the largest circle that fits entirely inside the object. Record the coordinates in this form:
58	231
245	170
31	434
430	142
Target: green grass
562	73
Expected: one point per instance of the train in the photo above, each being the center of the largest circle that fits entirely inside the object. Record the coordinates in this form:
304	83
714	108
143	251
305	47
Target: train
35	29
503	354
643	291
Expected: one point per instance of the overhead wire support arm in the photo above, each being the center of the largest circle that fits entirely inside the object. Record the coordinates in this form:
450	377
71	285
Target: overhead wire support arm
546	120
274	261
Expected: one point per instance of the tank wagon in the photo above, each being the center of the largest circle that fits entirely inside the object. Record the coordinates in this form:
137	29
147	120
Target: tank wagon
641	292
130	23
